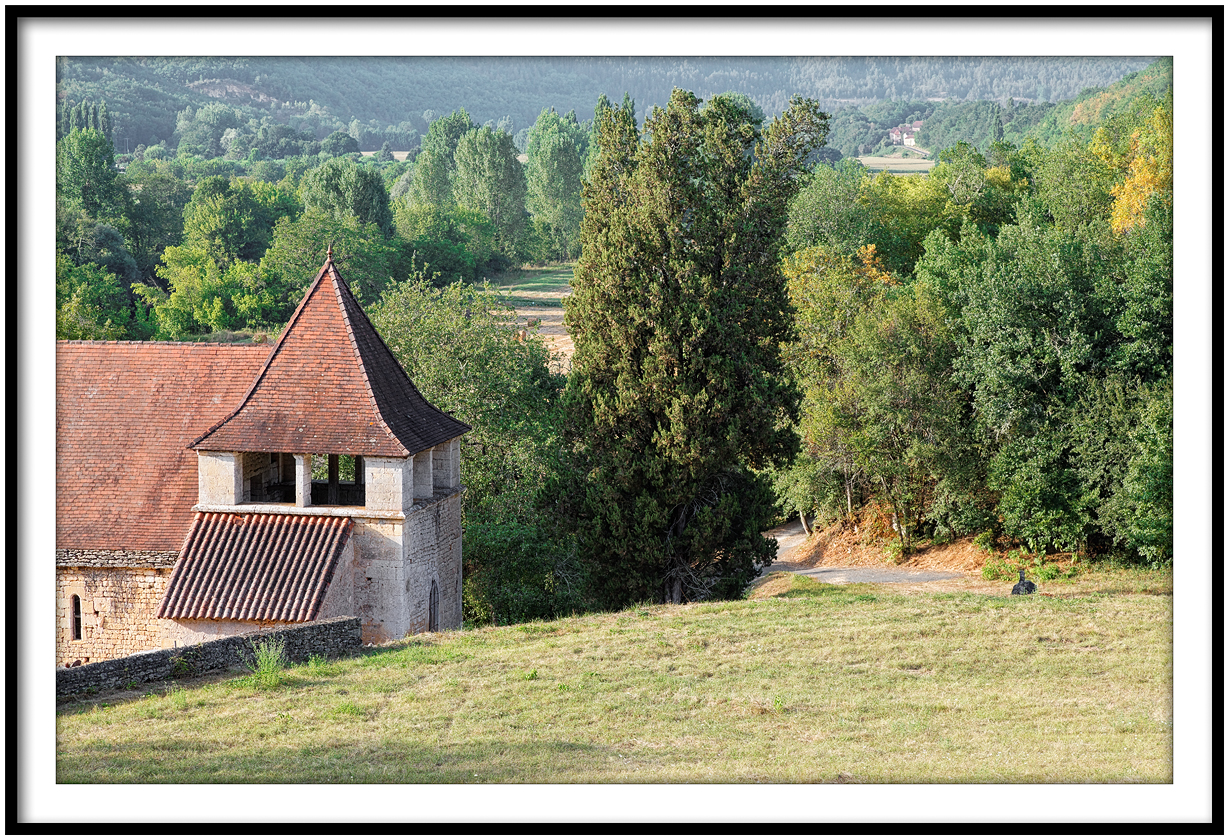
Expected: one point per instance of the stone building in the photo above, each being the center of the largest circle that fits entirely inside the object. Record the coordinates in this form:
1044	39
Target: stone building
185	504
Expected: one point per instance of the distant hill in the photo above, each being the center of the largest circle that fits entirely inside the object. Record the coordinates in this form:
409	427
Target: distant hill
390	96
1094	107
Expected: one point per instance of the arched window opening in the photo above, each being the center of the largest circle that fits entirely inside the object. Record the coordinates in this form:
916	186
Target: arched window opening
76	618
433	611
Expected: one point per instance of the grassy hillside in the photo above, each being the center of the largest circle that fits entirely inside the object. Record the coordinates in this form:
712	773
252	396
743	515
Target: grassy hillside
812	683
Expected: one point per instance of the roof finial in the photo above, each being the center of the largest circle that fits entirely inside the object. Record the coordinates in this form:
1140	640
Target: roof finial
330	250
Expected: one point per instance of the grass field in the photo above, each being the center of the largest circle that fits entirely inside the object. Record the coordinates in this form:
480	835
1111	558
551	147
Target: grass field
897	166
814	683
542	286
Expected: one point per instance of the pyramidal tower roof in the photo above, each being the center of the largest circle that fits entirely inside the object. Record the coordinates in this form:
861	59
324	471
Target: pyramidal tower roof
331	385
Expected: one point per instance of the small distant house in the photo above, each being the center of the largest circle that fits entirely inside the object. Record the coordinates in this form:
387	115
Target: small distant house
186	507
904	133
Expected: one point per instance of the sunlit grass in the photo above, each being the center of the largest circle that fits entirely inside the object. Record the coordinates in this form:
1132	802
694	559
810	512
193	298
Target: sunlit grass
551	281
814	683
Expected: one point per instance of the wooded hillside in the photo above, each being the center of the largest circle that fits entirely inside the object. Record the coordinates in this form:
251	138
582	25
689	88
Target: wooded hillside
323	95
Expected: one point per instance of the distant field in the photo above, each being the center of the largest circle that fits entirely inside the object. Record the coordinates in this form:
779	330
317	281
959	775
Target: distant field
397	155
898	164
551	284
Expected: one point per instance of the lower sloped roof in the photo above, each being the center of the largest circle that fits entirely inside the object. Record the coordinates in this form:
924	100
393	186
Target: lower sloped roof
125	414
256	567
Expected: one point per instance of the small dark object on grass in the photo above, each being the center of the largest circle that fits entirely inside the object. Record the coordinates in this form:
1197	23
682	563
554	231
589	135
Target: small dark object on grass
1024	587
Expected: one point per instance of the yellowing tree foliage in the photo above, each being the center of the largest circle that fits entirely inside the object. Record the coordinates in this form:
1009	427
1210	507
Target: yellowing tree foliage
1150	165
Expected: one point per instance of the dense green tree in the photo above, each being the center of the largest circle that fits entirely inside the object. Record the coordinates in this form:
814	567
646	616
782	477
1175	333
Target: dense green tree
829	292
829	210
277	141
1072	186
86	179
553	179
490	180
460	345
1038	313
226	218
435	164
155	219
1146	291
454	244
200	131
339	143
202	296
345	188
677	312
92	304
902	414
1142	511
906	208
299	247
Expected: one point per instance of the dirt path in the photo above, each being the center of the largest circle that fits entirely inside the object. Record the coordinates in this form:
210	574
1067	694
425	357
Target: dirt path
840	557
549	318
834	556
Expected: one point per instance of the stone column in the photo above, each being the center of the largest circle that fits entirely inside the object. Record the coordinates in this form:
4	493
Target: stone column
446	467
302	480
334	480
424	487
219	478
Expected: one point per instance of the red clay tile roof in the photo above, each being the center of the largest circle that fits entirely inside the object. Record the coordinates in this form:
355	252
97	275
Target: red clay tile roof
256	567
126	412
331	385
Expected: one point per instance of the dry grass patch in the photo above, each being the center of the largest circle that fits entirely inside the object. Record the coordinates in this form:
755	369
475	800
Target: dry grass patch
814	683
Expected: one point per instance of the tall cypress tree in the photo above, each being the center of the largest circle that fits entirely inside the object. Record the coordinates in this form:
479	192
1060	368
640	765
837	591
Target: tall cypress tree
677	313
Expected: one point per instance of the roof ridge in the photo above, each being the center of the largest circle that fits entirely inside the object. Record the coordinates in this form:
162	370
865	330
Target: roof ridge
384	344
339	284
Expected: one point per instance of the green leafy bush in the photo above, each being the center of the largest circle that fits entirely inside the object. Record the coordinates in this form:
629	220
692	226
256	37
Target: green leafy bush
268	663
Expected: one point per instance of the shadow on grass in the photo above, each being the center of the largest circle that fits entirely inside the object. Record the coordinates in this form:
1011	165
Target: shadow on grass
336	761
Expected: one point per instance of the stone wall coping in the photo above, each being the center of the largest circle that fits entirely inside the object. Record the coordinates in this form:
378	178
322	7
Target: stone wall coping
352	511
292	509
102	558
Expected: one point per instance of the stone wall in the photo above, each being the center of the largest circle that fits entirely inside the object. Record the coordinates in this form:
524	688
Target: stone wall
119	608
328	638
433	553
113	558
395	562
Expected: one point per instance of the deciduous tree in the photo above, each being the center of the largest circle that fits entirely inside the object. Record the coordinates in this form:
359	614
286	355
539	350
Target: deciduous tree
435	165
490	180
553	176
343	188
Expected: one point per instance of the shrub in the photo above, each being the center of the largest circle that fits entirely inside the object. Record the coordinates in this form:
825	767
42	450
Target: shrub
999	568
268	663
985	541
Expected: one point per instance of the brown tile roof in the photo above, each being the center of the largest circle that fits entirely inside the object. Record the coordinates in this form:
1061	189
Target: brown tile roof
125	414
256	567
331	385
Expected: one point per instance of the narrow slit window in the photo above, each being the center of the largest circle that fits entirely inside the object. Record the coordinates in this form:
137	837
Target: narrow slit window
76	607
433	609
